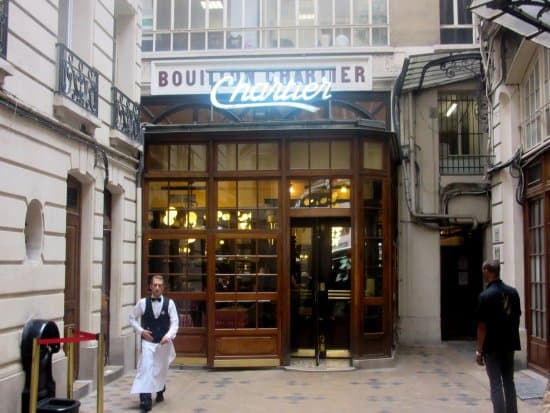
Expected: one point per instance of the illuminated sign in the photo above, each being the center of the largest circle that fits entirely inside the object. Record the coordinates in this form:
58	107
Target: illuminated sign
227	93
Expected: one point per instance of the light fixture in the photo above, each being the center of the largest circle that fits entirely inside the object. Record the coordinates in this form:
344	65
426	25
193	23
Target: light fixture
170	216
212	4
306	16
451	109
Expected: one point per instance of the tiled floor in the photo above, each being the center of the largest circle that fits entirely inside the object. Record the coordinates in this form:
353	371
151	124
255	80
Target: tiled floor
427	380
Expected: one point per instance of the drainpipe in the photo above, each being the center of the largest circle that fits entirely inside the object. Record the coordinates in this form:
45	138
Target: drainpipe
428	219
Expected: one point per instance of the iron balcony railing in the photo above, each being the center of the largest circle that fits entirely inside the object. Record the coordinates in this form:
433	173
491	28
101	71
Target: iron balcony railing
3	28
77	80
125	116
464	164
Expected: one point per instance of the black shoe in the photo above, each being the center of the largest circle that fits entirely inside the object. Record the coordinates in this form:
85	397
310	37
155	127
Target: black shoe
145	402
160	395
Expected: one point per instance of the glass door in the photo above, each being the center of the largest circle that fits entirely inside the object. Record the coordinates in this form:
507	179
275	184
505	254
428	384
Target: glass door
320	287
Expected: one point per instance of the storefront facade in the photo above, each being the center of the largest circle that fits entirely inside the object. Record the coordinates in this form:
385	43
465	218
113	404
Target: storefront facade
272	223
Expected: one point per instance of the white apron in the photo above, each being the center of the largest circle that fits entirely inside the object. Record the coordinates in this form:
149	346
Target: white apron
153	367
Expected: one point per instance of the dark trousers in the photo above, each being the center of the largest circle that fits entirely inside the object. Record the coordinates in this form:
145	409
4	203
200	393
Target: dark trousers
500	369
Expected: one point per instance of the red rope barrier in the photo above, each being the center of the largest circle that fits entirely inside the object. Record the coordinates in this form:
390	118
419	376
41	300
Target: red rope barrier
79	336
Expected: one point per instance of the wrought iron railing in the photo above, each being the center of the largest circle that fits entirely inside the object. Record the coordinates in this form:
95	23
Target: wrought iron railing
77	80
464	164
3	28
125	115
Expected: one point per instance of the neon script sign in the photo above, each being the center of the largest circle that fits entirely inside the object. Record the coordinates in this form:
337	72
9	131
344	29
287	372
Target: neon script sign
264	94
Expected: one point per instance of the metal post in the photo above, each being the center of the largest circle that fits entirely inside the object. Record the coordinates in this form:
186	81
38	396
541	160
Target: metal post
100	374
35	369
70	364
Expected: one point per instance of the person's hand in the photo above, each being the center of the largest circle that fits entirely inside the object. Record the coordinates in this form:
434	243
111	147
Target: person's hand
479	358
147	335
165	340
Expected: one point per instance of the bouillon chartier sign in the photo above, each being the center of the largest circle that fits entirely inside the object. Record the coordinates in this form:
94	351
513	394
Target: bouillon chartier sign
296	83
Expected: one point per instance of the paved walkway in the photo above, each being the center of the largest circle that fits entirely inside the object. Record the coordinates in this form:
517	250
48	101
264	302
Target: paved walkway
424	379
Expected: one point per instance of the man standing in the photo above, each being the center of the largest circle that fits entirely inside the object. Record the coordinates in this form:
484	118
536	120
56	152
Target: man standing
158	327
498	337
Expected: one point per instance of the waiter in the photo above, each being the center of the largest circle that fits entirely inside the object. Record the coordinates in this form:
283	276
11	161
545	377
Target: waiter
158	327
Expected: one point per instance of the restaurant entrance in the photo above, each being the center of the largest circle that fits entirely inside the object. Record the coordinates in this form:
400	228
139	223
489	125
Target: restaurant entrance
320	287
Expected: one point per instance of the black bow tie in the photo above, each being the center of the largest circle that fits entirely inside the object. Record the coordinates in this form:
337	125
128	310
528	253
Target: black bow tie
153	299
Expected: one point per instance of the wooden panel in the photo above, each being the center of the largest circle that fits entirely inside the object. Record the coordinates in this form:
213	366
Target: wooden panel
242	346
190	344
538	353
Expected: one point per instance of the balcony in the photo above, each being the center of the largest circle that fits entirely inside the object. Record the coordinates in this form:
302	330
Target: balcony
463	164
77	94
125	121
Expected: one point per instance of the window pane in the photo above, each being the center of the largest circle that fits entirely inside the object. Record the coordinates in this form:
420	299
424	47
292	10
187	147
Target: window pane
306	13
340	193
288	13
180	41
361	37
288	38
372	197
246	153
324	13
342	12
321	158
456	36
198	15
198	41
270	13
147	43
232	315
158	203
163	14
299	155
191	313
325	38
306	38
372	155
299	193
267	314
268	156
215	18
446	12
379	12
215	40
147	17
247	194
340	155
157	157
342	37
270	39
361	11
162	42
464	15
379	37
179	157
181	14
227	157
251	39
227	194
235	13
197	158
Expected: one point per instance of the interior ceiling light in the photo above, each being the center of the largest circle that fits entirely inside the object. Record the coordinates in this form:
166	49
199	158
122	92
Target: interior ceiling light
212	4
451	109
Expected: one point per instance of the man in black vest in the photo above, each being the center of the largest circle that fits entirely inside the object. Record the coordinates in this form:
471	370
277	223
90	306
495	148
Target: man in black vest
158	327
498	337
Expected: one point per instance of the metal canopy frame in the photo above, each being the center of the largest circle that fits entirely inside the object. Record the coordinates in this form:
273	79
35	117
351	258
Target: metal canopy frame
529	18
